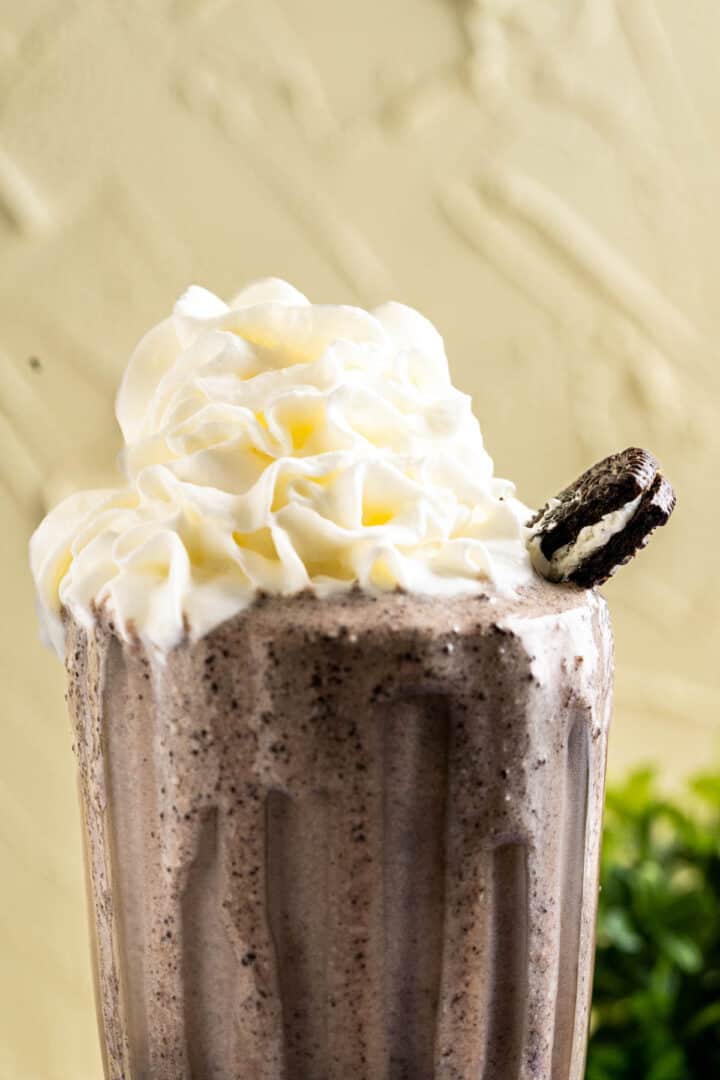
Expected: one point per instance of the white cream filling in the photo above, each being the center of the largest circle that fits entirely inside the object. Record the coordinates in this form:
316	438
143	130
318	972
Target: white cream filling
590	539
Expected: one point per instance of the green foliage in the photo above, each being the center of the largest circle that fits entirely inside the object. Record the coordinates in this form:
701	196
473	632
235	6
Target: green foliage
656	1004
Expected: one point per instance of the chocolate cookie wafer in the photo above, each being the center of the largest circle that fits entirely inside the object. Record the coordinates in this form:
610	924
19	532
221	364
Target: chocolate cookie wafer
599	522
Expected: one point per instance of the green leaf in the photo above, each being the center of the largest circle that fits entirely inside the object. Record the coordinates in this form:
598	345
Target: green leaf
616	929
709	1017
606	1063
670	1065
684	952
707	787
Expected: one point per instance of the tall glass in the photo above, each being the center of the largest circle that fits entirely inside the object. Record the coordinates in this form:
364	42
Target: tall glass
349	837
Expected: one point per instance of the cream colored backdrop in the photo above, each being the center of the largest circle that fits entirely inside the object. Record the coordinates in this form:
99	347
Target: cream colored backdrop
540	177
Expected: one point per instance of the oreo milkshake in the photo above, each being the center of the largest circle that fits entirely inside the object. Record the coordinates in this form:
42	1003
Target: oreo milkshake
348	837
341	749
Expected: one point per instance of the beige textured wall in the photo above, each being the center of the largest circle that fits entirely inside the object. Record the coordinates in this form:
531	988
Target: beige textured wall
540	177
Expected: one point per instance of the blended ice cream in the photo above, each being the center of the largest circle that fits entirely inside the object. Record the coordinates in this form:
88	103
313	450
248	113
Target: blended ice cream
341	750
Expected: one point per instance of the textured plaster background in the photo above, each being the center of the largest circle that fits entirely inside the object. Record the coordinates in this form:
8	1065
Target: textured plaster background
540	178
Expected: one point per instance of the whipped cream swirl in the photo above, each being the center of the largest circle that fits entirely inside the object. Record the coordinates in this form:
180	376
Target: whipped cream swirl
272	444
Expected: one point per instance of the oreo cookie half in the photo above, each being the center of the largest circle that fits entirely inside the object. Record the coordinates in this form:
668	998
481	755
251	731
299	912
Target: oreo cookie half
598	523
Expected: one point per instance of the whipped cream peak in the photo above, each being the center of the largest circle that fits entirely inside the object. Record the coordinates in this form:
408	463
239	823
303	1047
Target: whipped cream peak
277	445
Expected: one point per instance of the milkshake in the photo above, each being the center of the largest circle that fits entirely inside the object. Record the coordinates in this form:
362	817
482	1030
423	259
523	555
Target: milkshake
348	837
341	749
